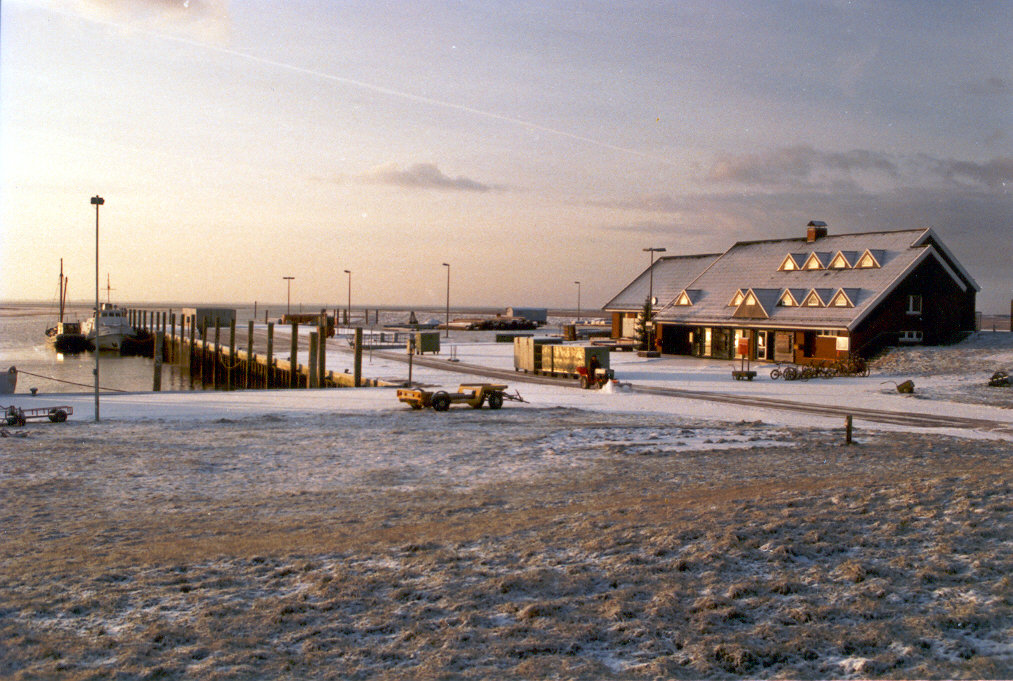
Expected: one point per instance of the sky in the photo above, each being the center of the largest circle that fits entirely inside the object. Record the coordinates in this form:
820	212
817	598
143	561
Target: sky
530	145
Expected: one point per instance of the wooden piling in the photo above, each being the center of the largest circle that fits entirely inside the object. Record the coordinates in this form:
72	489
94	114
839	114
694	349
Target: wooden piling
357	371
847	429
230	367
270	356
293	374
313	379
251	359
159	342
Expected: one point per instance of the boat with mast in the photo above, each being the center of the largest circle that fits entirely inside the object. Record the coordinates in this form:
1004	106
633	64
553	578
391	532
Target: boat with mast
109	327
66	336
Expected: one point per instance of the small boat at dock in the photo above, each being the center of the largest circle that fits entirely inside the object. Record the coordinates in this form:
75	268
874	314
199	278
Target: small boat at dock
66	337
108	328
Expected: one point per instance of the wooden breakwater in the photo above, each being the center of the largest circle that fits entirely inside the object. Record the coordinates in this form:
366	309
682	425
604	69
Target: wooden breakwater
213	354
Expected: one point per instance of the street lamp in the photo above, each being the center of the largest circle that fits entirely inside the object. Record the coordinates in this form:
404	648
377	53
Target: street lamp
650	298
288	305
96	201
348	310
578	301
447	265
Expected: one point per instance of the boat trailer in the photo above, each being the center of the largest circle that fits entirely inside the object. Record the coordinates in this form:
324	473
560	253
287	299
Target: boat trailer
16	416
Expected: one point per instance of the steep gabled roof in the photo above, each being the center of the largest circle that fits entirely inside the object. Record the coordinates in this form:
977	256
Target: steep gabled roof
754	266
672	275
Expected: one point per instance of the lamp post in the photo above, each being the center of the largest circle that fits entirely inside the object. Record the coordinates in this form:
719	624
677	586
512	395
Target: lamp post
578	301
288	305
447	265
650	298
96	201
348	310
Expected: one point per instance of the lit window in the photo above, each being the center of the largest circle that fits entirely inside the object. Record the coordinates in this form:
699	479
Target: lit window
788	264
866	261
839	262
813	300
787	300
737	299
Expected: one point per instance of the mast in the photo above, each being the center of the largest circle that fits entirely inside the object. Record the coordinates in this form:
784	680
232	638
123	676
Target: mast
61	291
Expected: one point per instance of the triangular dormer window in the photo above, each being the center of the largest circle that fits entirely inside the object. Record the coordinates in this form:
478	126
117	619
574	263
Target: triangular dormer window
787	300
867	261
737	299
788	264
841	300
683	299
750	299
813	262
840	262
813	300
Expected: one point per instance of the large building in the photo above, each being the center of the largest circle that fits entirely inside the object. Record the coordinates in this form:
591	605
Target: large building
816	297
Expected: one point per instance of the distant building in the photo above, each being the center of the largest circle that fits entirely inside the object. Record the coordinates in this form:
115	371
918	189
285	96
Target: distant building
206	317
539	315
813	298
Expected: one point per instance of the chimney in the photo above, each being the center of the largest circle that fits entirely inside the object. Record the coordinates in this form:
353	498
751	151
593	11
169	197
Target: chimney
817	230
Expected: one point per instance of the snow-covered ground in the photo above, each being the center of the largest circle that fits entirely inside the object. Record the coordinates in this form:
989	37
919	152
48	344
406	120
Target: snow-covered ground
949	381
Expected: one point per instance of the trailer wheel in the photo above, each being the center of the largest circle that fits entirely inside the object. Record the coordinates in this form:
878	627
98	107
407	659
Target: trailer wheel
57	415
495	400
584	384
441	401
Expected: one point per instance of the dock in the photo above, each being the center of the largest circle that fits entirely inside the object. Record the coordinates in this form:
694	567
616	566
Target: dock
213	354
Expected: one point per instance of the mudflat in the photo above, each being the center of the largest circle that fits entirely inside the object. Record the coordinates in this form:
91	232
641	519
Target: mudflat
533	543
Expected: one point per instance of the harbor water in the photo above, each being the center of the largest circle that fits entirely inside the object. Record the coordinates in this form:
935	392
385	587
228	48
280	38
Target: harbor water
23	344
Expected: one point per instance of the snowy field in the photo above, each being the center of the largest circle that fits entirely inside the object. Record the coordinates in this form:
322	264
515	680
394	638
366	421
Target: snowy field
583	534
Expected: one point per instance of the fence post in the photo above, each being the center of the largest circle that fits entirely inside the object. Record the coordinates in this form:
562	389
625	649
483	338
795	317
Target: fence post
847	429
159	342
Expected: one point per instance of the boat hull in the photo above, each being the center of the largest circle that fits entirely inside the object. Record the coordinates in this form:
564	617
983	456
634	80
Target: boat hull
8	381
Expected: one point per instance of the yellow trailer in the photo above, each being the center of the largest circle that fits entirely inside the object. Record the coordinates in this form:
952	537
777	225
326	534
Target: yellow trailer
472	394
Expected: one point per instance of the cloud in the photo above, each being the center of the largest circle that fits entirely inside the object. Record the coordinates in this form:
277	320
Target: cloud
797	164
206	18
856	170
420	176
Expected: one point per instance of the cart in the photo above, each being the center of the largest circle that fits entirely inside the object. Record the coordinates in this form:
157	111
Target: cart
472	394
16	416
598	380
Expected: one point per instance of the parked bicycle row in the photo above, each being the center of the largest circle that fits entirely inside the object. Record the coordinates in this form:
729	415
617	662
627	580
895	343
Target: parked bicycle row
851	366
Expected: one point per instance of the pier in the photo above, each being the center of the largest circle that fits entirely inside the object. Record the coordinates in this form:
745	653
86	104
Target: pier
211	352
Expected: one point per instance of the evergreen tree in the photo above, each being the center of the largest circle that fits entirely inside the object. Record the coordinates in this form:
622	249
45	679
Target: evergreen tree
640	327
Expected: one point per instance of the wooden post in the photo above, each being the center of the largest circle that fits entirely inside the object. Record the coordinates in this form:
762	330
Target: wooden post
159	342
230	368
216	356
250	357
313	380
269	378
357	370
203	355
293	355
322	349
411	355
847	429
189	350
172	336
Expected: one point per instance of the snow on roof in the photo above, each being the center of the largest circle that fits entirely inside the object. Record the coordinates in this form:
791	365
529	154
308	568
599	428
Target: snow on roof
672	276
755	265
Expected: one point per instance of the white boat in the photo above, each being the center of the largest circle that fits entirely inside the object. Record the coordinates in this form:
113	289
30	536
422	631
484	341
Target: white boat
8	381
112	325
